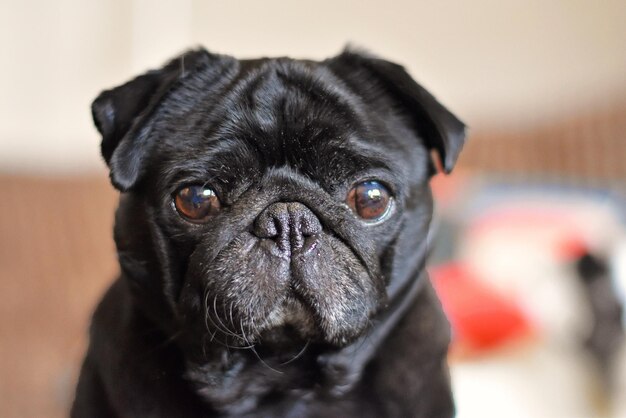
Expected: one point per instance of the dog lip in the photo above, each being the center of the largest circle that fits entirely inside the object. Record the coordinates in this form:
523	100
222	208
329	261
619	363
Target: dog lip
294	312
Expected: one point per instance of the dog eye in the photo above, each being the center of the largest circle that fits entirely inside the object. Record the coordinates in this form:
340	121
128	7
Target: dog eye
196	203
370	200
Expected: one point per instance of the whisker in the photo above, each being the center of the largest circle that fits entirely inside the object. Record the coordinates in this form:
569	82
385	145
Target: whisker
223	327
263	361
232	322
217	328
294	358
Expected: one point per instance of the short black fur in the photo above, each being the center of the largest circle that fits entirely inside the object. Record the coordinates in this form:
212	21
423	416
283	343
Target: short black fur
210	319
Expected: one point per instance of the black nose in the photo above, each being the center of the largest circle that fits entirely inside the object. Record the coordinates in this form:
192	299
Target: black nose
290	225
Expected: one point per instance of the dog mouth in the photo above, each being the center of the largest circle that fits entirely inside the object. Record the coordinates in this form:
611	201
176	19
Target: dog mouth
325	296
292	321
292	311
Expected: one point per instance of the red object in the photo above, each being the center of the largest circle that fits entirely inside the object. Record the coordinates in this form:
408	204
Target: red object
571	248
480	317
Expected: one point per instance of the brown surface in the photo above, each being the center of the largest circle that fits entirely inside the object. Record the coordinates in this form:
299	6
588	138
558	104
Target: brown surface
588	148
56	259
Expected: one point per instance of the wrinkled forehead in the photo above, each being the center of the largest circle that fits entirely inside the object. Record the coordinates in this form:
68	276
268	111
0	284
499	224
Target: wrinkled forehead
271	113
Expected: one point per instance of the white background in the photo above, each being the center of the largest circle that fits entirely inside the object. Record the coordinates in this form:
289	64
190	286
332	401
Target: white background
492	62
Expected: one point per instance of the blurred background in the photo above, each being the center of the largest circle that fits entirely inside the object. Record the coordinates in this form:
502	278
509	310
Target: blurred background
530	255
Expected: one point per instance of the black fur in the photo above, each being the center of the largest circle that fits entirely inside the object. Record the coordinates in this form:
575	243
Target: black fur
206	320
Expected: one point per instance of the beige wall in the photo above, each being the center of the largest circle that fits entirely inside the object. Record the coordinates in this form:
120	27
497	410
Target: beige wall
493	62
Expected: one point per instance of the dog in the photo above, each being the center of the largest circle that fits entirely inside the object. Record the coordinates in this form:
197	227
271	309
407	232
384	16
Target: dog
272	234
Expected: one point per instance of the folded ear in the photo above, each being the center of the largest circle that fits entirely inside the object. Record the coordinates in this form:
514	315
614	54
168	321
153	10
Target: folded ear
124	115
435	124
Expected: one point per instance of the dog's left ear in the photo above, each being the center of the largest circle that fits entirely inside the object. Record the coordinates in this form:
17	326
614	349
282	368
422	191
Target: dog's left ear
436	125
124	115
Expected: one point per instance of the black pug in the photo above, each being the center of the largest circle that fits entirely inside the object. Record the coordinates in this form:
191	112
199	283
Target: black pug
271	231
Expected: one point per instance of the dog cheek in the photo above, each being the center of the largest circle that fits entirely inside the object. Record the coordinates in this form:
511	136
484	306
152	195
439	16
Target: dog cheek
240	287
342	293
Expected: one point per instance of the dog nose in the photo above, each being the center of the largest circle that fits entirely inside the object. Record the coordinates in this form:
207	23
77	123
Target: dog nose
289	224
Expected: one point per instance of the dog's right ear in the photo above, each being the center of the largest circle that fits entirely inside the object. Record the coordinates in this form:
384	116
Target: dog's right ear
123	115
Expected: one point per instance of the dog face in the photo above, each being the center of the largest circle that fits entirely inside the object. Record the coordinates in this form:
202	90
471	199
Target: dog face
274	200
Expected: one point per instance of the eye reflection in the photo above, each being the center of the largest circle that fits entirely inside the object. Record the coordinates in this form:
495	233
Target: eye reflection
370	200
196	203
